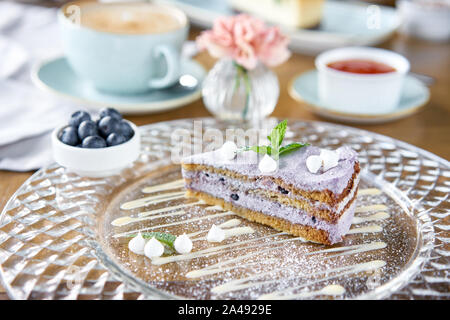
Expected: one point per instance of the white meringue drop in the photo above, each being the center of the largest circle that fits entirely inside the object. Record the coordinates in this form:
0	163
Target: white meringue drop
330	159
267	164
137	244
153	248
183	244
313	163
215	234
228	150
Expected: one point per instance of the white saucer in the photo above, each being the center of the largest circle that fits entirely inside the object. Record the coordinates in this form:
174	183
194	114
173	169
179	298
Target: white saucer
56	76
415	96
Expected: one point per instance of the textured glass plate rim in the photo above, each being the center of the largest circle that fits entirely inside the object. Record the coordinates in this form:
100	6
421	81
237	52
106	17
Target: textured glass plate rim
413	267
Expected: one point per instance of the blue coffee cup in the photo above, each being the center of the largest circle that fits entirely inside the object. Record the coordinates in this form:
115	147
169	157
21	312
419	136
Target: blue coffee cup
122	63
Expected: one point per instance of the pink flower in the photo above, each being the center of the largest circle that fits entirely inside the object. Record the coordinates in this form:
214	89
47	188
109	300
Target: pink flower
246	40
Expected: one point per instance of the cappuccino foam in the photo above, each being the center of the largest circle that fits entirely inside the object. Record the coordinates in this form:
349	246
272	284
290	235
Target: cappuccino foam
128	18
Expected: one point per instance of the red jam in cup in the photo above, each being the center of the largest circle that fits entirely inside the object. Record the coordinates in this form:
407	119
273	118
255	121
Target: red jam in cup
361	66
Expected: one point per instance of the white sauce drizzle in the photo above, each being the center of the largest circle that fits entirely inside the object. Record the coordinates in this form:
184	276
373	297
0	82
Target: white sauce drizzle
209	251
374	217
347	251
331	290
165	186
142	202
227	224
218	215
240	284
166	209
127	220
369	191
372	207
209	271
217	268
374	228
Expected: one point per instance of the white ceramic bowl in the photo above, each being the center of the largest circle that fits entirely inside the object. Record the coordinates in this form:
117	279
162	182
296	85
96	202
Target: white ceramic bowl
369	94
96	163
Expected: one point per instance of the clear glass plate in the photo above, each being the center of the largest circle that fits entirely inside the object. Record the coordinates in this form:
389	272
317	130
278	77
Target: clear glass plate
57	241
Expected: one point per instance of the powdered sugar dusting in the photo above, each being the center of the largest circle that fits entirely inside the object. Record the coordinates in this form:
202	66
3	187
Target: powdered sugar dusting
266	261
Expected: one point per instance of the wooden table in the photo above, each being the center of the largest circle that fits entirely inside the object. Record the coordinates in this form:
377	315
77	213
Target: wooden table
429	129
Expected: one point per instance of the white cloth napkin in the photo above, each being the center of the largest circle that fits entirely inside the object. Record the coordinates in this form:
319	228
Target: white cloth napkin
9	14
28	34
26	112
38	154
12	57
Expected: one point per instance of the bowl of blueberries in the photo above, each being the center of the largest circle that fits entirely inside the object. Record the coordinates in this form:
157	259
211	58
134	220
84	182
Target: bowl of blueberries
96	147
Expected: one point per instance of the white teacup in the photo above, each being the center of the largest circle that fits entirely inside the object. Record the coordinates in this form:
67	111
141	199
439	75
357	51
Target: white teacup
124	48
361	93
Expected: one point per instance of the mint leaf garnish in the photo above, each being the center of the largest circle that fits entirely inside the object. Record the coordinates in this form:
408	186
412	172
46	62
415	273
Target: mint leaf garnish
291	147
165	238
278	133
276	138
260	149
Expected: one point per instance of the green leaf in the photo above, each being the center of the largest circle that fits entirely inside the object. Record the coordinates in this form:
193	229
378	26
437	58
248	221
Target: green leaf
277	136
165	238
260	149
291	147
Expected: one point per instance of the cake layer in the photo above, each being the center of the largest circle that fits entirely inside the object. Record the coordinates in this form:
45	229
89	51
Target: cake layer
239	197
225	186
326	233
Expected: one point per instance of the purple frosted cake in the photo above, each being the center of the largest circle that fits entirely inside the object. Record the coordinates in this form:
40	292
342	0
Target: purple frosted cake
314	203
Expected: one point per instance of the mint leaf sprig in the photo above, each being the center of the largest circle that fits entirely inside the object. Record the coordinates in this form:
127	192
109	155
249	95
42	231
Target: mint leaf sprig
276	137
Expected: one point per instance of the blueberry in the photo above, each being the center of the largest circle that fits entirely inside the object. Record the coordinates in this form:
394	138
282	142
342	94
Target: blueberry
234	196
282	190
313	219
78	117
94	142
87	128
114	139
110	112
108	125
69	136
126	129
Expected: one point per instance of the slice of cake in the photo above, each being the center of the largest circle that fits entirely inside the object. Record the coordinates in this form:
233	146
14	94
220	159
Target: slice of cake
291	13
311	193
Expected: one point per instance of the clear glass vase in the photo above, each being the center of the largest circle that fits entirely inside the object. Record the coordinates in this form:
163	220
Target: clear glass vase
232	93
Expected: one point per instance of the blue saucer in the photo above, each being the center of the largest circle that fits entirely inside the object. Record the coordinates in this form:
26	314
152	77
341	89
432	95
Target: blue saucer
56	76
415	96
